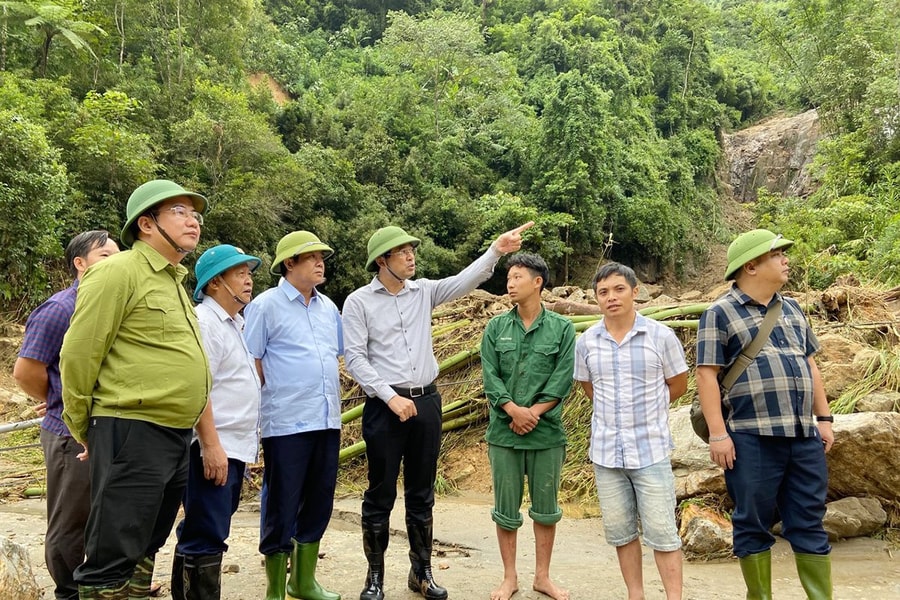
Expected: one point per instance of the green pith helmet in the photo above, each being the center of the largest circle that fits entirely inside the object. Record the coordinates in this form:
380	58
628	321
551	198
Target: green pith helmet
149	195
750	245
216	261
294	243
385	239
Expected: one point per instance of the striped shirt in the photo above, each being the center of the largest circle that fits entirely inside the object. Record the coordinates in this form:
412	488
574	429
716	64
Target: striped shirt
774	396
44	332
630	422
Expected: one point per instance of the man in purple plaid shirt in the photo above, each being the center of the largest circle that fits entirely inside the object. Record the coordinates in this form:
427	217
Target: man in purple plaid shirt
37	372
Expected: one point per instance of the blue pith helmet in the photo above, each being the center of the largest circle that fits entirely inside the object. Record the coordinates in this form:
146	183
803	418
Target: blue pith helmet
216	261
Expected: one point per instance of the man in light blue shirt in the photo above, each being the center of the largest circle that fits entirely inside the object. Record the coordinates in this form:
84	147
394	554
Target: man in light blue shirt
632	368
294	333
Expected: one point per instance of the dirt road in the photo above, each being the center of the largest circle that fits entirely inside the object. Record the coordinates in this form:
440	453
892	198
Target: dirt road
468	562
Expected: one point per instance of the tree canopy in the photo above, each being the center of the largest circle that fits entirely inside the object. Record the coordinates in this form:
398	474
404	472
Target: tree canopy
454	119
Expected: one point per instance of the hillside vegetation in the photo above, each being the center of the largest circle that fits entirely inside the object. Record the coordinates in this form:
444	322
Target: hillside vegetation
598	119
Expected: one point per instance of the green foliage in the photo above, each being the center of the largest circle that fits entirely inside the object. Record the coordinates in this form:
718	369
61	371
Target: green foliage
457	120
33	187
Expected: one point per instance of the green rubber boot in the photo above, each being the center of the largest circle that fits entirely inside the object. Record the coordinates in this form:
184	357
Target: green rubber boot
757	571
276	575
815	575
302	583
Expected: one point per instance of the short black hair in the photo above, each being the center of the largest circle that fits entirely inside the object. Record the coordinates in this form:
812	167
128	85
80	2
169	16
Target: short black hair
81	245
614	268
534	263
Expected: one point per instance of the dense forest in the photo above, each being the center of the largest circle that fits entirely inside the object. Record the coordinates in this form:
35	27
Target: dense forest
598	119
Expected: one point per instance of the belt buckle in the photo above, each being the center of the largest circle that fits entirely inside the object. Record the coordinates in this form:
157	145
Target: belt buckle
413	394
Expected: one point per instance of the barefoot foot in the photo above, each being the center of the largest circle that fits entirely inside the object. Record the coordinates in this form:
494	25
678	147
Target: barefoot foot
548	588
508	587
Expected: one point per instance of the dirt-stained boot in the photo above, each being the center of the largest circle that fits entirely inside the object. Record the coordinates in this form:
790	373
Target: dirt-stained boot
421	579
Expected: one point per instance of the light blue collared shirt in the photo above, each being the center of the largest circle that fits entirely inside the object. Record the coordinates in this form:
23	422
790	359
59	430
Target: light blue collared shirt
299	346
630	423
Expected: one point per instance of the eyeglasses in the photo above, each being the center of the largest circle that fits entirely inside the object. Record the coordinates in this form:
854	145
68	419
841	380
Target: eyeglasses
182	212
406	252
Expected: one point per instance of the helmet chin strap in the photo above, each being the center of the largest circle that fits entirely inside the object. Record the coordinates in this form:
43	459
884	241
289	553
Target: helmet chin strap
165	235
234	296
392	273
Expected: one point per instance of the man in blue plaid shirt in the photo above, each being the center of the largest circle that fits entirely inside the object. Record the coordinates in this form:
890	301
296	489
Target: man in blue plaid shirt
771	431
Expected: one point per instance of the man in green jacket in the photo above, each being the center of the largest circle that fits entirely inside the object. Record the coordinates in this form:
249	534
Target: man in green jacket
527	357
135	379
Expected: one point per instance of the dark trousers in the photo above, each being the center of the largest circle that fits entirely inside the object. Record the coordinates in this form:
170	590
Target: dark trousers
208	508
68	506
416	443
298	488
138	475
778	476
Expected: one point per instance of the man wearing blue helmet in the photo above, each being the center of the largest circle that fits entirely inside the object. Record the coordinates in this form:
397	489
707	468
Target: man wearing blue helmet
225	437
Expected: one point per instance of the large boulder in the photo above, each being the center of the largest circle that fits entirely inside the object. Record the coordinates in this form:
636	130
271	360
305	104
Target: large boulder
865	460
17	580
695	473
853	517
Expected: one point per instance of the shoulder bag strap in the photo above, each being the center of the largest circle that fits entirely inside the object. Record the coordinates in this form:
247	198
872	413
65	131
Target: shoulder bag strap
749	353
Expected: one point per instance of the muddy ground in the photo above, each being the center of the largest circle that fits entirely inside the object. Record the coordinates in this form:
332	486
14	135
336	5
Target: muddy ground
468	561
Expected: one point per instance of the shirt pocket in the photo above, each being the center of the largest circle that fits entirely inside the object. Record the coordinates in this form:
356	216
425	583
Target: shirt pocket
543	358
508	355
165	315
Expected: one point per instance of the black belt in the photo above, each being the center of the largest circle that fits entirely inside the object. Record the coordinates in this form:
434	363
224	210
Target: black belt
415	392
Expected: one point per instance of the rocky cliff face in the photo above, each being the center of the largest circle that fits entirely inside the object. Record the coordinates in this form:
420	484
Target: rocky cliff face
774	155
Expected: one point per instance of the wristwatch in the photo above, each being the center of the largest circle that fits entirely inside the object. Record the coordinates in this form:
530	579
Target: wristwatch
825	419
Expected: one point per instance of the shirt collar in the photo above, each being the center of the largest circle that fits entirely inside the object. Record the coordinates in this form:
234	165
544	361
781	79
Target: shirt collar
157	261
640	326
738	295
377	286
514	313
293	293
219	311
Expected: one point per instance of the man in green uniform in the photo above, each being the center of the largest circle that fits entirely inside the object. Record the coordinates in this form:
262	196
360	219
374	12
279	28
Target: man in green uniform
527	357
135	379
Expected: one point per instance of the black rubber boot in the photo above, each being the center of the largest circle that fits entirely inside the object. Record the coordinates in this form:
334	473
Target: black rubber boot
204	577
176	584
375	542
421	579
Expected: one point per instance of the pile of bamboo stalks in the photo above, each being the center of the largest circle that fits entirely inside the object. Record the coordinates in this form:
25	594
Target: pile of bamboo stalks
461	329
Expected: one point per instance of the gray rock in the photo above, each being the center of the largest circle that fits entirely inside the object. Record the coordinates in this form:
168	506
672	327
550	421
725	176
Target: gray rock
879	402
704	534
864	460
695	473
853	517
17	580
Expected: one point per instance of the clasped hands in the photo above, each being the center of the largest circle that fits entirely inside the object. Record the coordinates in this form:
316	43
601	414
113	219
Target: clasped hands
523	420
